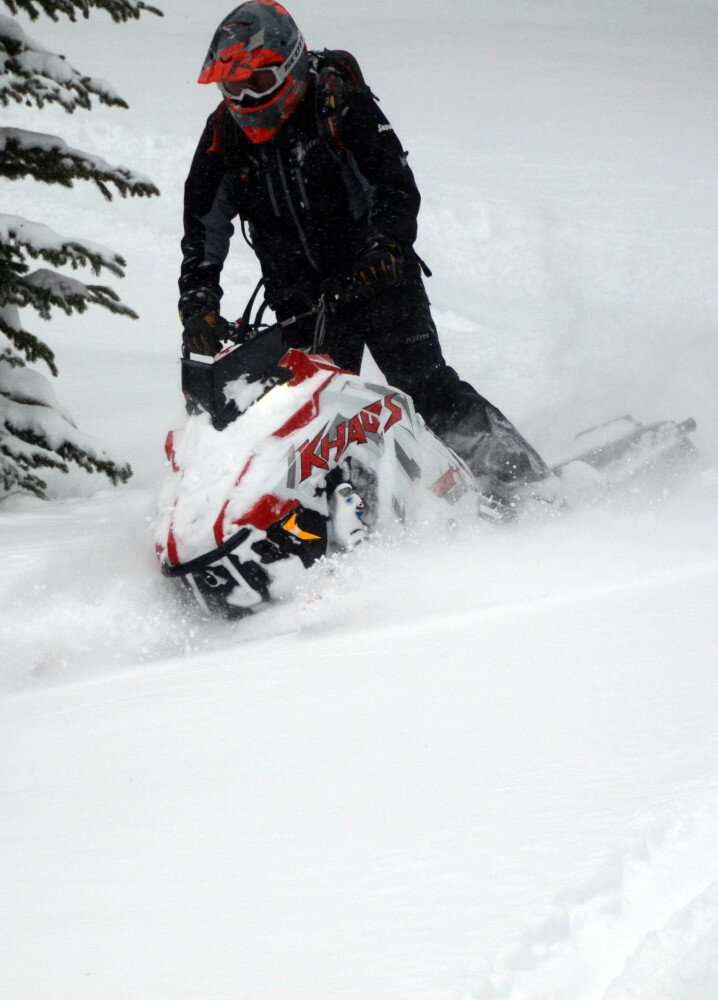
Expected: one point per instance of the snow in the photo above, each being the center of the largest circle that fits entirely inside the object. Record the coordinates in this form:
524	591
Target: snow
482	767
75	162
11	29
41	239
210	471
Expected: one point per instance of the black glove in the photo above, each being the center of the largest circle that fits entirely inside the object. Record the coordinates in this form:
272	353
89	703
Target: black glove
204	299
204	332
378	265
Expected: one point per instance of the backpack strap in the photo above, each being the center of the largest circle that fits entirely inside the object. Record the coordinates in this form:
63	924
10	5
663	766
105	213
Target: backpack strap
336	70
345	64
217	137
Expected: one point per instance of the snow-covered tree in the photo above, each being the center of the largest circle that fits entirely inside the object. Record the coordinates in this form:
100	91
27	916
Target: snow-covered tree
35	432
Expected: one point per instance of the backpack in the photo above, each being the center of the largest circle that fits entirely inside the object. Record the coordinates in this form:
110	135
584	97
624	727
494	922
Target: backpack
336	71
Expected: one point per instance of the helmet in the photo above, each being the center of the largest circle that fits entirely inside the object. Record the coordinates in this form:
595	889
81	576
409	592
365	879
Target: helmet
259	61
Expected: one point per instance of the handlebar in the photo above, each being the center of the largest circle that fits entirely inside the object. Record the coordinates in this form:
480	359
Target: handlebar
335	292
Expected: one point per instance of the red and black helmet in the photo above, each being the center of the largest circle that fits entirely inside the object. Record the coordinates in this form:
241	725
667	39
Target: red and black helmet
259	61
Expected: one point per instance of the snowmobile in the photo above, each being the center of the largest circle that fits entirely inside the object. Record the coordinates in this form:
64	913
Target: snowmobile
286	458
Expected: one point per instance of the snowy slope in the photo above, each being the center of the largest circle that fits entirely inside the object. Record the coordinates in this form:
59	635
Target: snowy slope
482	768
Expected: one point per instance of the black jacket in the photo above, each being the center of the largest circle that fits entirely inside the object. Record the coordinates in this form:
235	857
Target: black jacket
306	202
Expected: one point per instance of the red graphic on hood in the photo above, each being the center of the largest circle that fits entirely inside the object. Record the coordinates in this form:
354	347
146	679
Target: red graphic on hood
317	453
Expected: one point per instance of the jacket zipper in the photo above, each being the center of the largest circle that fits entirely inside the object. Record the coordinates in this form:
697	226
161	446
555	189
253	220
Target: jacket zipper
292	210
272	196
302	190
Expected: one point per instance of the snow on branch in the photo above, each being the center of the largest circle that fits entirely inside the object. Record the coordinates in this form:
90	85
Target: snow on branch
18	235
14	338
49	159
30	387
119	10
44	289
30	73
36	432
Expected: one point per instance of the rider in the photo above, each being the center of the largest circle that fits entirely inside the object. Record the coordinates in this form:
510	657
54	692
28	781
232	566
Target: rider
299	151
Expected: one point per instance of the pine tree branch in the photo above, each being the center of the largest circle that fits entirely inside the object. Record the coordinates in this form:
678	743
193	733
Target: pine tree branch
35	434
31	74
10	357
44	289
119	10
15	470
19	236
22	341
49	159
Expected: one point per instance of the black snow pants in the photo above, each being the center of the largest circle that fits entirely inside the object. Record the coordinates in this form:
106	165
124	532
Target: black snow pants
397	327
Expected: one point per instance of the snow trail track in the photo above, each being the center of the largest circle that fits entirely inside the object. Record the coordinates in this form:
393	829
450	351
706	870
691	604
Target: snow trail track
651	912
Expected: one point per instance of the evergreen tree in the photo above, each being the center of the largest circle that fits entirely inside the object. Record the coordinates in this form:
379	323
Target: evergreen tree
35	432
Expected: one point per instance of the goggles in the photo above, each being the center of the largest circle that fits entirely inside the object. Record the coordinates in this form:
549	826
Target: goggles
261	82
